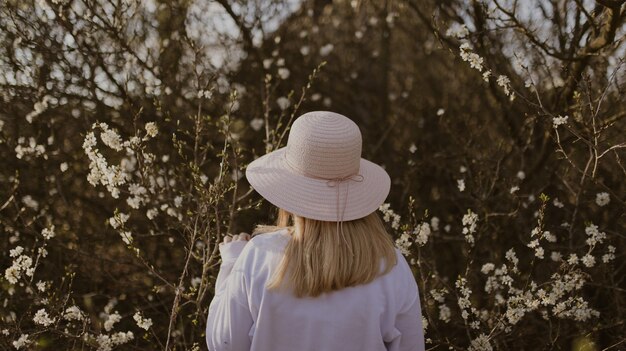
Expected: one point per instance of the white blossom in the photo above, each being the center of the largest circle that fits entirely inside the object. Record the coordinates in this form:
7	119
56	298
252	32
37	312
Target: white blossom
111	139
602	199
48	233
151	213
434	223
422	232
257	123
610	255
444	313
283	102
326	49
472	58
283	73
143	323
73	313
457	31
588	260
127	237
487	267
469	226
389	215
481	343
505	83
559	120
111	320
21	341
118	220
594	235
151	129
41	317
460	183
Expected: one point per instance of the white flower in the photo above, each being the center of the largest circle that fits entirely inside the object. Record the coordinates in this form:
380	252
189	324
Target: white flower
326	49
559	120
21	342
505	83
283	73
444	313
514	189
20	264
151	129
440	112
151	213
257	123
457	31
283	102
481	343
64	166
557	203
486	75
16	251
390	216
41	286
602	199
207	94
588	260
610	255
143	323
48	233
73	313
178	201
42	318
474	59
422	232
539	252
469	226
556	256
127	237
111	139
434	223
487	267
521	175
595	236
111	320
118	220
460	183
512	257
412	148
305	50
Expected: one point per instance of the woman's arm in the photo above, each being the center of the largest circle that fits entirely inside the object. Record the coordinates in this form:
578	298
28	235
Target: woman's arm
229	320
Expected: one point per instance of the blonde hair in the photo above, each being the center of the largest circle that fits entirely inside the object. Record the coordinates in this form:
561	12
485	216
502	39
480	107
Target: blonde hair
317	260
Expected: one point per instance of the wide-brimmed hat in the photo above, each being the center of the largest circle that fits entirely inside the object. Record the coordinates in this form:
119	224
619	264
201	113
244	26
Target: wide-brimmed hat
320	173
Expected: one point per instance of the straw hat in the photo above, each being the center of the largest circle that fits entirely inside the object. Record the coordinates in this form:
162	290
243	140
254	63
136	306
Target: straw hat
320	173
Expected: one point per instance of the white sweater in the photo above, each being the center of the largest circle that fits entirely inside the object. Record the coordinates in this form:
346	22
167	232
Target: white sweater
382	315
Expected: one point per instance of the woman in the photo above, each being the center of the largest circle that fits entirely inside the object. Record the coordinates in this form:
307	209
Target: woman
327	277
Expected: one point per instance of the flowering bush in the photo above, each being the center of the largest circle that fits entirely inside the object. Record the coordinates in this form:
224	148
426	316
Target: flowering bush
125	128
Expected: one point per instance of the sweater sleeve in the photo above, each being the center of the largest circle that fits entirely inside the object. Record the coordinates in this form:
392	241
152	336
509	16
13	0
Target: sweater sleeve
229	320
409	324
409	318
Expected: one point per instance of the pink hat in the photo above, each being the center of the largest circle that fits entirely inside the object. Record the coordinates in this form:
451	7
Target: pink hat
321	171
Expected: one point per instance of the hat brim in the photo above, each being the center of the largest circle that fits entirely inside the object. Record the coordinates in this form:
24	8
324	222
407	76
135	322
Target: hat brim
315	198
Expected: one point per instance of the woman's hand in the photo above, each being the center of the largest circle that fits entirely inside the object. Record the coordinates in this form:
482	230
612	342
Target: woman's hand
237	237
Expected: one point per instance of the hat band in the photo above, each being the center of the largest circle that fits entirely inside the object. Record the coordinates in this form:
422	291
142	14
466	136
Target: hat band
332	182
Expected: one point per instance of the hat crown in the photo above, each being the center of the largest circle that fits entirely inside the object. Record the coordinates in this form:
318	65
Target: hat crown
324	144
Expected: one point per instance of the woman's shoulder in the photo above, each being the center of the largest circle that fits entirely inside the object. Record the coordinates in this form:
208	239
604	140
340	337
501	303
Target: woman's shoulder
273	239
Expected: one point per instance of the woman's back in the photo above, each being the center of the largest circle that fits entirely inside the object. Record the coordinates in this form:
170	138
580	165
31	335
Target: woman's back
244	315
